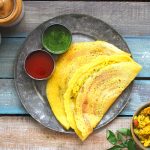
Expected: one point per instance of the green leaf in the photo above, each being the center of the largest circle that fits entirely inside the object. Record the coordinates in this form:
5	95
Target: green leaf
111	137
121	145
131	145
119	137
115	147
125	131
122	139
125	144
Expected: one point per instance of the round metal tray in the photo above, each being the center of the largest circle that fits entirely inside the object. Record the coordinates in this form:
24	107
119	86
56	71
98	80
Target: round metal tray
32	93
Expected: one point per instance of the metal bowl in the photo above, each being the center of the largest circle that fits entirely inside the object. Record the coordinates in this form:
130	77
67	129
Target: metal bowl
58	26
34	52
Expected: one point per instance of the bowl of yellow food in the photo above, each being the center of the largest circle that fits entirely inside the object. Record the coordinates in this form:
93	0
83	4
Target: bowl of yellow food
140	127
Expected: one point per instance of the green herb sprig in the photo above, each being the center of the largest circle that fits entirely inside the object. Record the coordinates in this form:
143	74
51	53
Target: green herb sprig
121	139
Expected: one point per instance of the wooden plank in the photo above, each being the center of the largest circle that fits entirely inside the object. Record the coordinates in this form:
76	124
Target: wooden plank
10	103
139	96
9	49
24	133
128	18
140	49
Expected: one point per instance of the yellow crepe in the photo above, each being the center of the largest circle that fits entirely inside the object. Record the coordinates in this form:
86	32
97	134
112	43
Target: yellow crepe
78	55
79	77
92	95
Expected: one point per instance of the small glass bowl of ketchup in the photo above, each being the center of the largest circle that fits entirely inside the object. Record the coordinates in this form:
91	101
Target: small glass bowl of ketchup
39	65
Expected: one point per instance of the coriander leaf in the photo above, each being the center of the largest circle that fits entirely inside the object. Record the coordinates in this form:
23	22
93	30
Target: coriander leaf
111	137
115	147
125	131
131	145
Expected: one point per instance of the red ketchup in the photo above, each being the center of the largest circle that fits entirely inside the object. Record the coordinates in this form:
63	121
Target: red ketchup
39	64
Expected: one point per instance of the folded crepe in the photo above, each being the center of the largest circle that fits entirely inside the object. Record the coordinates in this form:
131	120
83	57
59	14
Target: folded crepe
67	64
93	89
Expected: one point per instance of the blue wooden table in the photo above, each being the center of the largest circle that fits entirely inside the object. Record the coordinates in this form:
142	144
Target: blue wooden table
17	129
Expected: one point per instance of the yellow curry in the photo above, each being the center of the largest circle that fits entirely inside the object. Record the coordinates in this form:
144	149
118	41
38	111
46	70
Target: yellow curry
142	126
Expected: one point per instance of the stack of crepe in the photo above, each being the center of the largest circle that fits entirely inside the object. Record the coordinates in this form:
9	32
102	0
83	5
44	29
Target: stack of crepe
87	80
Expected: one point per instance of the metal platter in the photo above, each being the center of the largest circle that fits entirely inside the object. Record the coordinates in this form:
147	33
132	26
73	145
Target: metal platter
32	93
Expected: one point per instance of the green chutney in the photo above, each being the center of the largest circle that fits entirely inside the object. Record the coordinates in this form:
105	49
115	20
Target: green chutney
57	39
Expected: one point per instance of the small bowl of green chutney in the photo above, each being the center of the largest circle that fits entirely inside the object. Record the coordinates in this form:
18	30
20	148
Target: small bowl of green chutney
56	39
